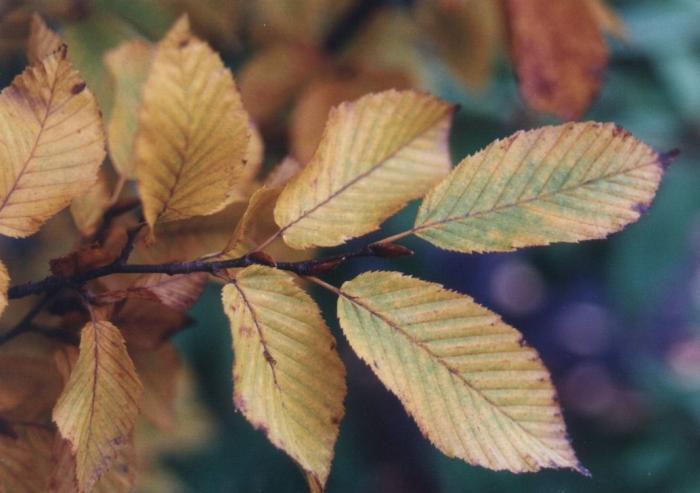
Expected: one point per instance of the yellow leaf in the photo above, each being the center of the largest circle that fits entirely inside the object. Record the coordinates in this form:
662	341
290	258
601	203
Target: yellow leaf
376	154
193	131
473	387
283	172
87	209
4	286
607	19
559	54
571	182
51	144
310	113
255	225
289	381
98	407
128	66
42	41
254	156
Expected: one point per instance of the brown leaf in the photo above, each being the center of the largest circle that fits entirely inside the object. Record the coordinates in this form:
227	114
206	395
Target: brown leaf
42	40
91	256
559	54
148	324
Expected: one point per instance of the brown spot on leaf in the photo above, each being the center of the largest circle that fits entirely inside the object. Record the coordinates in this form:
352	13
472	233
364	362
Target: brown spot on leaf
77	88
246	331
183	43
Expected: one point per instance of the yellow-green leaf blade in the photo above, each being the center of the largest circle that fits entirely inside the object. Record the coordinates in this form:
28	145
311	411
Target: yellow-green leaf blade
99	405
376	154
566	183
193	131
128	66
473	387
51	144
288	378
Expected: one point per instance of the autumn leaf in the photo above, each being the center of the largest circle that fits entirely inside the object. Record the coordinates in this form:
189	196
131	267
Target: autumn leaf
376	154
467	35
42	41
26	460
98	407
251	229
128	66
178	292
51	144
559	54
473	387
191	238
310	113
158	371
193	131
572	182
288	379
87	209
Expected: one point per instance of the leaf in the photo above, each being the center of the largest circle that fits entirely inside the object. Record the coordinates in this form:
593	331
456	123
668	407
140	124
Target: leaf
178	292
128	66
90	38
255	224
473	387
273	76
26	460
158	371
571	182
289	381
4	286
559	54
51	144
191	238
148	324
87	209
42	41
375	155
313	105
467	35
193	131
98	408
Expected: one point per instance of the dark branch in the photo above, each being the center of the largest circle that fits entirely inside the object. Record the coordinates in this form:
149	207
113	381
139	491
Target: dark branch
303	268
25	325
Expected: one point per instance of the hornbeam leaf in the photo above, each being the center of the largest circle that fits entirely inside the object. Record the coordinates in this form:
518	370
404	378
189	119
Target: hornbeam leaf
473	387
128	66
559	54
99	405
376	154
88	209
193	131
289	381
178	292
51	144
42	41
568	183
25	460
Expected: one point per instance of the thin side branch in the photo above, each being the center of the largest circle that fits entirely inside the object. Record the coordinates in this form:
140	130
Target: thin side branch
311	267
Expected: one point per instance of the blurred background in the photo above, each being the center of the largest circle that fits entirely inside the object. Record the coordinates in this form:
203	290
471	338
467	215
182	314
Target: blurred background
617	322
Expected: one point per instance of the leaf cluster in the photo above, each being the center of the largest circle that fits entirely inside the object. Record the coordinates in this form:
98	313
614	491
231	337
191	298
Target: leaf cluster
186	197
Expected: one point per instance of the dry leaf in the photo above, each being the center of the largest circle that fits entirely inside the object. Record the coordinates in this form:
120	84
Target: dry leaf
4	286
559	54
87	209
26	460
97	410
51	144
193	131
42	41
474	388
148	324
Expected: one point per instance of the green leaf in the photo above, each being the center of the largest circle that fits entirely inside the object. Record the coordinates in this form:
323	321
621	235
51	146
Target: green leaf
474	388
567	183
